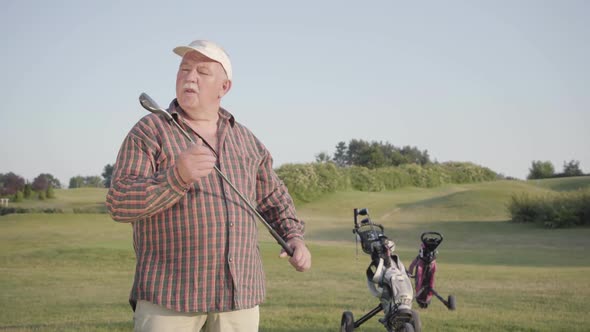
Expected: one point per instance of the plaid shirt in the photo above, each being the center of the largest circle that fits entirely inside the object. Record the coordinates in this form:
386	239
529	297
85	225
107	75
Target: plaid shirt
196	245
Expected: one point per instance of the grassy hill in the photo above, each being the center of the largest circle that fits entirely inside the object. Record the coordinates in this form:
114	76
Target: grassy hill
72	272
69	199
563	184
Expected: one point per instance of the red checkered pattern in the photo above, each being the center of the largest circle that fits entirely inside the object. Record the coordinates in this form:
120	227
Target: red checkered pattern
196	245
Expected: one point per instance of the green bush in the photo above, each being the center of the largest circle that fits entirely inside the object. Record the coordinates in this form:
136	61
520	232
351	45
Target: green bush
564	209
464	172
20	210
364	179
92	209
7	210
19	196
309	181
301	180
393	177
330	178
50	192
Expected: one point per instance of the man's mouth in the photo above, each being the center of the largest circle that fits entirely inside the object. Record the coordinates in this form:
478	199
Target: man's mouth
190	88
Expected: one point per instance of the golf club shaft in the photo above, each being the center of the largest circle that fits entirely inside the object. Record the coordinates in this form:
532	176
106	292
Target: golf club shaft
274	234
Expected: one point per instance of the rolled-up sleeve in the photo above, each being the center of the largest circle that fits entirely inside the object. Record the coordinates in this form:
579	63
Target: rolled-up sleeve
275	203
139	190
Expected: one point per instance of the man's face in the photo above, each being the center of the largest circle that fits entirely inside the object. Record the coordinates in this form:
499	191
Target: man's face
200	82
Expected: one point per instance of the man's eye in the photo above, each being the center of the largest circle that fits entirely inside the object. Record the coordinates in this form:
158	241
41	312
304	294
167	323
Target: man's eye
203	72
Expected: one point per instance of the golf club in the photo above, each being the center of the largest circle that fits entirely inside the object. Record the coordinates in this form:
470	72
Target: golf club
149	104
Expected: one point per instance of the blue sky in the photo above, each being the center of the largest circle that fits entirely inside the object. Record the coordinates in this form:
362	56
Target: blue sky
497	83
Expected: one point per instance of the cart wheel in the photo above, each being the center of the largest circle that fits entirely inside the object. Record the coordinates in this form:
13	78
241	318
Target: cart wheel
407	327
416	322
347	322
452	304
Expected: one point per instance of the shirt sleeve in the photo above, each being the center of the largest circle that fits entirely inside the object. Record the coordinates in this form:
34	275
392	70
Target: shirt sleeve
275	203
139	190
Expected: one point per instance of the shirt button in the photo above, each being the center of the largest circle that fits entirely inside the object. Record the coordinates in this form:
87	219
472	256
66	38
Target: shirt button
230	259
231	224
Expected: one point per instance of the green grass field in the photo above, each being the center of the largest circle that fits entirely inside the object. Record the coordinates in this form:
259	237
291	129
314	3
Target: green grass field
73	272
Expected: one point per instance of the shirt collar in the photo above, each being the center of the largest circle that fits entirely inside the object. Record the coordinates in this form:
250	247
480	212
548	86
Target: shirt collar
174	109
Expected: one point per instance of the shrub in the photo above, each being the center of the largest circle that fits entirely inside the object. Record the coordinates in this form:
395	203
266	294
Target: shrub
364	179
20	210
301	179
19	196
91	209
393	177
50	192
464	172
565	209
309	181
330	178
9	210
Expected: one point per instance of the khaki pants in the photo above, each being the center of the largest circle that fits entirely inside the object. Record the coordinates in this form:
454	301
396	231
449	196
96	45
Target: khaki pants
150	317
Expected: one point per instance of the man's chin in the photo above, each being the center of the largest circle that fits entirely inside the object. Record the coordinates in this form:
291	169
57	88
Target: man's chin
187	103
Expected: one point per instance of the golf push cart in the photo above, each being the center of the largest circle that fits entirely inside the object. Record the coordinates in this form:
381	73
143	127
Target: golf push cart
423	269
387	280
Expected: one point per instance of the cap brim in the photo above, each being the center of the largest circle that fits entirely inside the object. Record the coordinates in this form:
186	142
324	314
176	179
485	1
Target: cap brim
182	50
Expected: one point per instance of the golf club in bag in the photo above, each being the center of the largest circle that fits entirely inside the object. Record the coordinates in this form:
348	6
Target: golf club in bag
423	269
386	278
149	104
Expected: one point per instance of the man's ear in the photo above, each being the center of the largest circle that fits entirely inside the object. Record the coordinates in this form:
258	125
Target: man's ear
225	87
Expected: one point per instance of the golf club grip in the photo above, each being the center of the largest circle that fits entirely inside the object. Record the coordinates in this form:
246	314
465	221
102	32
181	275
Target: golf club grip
272	232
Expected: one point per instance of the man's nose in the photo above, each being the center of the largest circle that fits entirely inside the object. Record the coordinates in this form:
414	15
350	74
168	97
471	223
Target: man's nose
192	76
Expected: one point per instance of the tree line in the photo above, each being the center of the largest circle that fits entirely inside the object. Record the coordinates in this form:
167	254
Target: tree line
371	155
545	170
374	154
16	187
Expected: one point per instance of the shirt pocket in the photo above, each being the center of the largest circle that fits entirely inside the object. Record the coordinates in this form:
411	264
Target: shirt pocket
245	170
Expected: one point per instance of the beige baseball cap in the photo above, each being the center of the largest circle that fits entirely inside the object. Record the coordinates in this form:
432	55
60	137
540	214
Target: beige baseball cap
210	50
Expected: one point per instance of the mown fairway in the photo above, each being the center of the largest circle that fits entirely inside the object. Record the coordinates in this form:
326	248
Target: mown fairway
72	272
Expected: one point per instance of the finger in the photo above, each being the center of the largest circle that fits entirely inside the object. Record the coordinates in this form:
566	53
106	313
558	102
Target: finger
203	160
203	151
301	266
283	253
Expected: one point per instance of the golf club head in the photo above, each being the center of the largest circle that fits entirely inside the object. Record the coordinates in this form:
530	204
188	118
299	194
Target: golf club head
149	104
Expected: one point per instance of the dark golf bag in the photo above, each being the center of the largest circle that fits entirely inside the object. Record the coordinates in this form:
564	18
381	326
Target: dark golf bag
423	269
387	280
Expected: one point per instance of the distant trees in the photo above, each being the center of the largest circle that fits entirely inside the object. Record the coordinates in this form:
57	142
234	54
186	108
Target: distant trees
17	188
44	185
377	154
94	181
322	157
541	170
572	168
44	181
85	182
544	170
11	183
340	156
107	174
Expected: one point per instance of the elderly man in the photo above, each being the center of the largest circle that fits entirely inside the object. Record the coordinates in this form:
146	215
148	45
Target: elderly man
198	261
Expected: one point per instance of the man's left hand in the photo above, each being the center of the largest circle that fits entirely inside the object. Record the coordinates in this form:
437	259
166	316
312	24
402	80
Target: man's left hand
301	259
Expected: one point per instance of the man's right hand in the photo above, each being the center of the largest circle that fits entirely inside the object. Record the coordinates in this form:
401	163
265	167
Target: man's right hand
195	162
